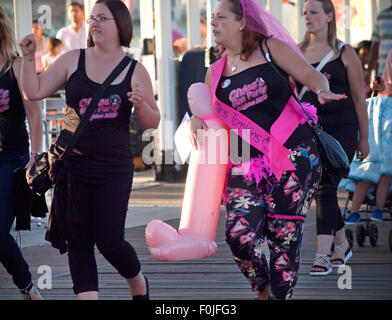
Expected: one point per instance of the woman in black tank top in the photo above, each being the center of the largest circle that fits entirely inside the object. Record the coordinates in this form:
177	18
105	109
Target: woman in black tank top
343	119
90	206
14	153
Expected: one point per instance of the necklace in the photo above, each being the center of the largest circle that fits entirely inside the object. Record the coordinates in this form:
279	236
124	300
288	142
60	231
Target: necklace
234	65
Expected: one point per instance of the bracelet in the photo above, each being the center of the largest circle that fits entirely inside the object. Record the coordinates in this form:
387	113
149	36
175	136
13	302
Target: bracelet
322	90
36	153
28	59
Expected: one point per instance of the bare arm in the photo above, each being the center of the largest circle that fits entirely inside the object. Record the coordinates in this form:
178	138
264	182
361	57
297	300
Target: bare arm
294	65
143	98
207	79
36	87
355	76
196	123
34	117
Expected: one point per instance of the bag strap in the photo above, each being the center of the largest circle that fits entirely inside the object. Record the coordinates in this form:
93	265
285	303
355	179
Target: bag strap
94	102
321	65
2	72
267	56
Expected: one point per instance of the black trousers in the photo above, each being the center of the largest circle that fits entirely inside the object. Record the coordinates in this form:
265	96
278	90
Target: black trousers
344	128
102	208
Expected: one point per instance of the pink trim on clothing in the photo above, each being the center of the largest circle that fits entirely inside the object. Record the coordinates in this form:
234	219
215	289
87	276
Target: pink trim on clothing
286	217
257	169
310	109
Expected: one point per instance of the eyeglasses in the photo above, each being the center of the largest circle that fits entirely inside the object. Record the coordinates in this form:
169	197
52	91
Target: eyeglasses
98	20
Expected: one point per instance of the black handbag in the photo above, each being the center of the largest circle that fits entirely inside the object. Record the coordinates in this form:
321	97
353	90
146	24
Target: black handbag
332	155
41	175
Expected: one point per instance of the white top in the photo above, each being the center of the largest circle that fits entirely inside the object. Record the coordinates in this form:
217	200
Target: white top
73	39
47	59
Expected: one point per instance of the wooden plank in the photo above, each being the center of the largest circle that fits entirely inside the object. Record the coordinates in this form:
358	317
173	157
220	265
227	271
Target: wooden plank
216	277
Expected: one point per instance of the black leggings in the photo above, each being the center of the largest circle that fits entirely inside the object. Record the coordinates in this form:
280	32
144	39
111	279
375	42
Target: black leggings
103	209
329	217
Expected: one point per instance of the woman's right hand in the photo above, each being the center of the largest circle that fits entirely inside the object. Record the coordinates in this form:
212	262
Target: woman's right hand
28	46
196	124
375	86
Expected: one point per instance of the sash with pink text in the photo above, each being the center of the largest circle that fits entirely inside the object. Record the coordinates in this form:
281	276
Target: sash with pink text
271	144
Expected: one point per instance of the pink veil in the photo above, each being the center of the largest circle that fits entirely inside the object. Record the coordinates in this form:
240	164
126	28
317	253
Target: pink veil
261	21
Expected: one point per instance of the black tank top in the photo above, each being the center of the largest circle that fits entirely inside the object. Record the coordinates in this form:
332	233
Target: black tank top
336	73
104	149
13	133
259	94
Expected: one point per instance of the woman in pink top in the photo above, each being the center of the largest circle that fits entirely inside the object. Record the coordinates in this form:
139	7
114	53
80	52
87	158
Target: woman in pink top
42	41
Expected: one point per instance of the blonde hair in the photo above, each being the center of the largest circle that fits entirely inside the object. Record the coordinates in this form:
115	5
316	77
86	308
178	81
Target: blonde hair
7	42
333	41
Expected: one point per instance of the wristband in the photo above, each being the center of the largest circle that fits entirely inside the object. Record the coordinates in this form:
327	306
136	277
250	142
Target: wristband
322	90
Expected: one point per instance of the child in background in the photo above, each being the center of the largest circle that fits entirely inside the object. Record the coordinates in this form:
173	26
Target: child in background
53	51
384	89
363	51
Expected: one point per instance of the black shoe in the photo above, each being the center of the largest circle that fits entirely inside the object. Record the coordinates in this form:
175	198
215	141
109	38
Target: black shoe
146	296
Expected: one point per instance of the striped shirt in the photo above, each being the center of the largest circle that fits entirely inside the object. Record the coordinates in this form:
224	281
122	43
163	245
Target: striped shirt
382	33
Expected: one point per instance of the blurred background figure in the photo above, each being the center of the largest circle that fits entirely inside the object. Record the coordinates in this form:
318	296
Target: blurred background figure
203	31
180	45
53	51
363	50
381	43
41	40
384	88
74	36
379	161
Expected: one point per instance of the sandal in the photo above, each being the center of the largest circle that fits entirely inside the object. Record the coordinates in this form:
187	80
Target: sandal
347	255
326	270
30	293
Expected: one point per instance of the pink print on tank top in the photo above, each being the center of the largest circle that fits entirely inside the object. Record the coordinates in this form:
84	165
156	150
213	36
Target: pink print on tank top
4	100
107	108
249	95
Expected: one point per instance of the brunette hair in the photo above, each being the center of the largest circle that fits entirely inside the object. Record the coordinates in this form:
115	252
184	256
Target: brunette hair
53	42
123	20
77	4
333	41
250	39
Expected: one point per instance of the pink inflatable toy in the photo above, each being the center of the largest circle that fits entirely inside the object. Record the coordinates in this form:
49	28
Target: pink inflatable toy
205	181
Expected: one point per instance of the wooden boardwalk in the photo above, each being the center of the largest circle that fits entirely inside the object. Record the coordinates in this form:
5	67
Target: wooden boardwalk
217	277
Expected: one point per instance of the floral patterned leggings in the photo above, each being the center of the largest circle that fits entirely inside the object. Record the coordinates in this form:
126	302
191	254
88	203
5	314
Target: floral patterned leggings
276	211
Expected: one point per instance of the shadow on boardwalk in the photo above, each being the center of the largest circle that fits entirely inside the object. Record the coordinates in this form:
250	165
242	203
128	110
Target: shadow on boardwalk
216	277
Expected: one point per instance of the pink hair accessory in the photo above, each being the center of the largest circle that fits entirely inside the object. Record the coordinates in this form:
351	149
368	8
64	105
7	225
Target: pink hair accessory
260	20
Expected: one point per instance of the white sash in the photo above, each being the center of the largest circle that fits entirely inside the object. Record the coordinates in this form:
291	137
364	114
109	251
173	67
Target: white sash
321	65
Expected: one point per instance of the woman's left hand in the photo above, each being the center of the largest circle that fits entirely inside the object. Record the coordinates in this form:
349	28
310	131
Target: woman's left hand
136	96
31	161
363	149
327	96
